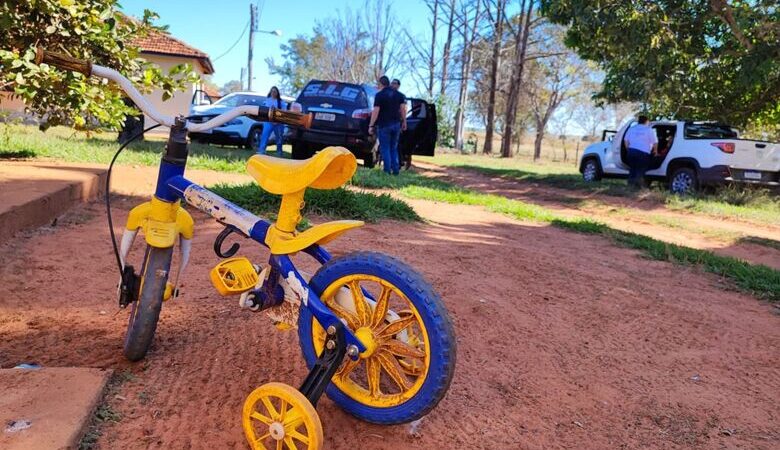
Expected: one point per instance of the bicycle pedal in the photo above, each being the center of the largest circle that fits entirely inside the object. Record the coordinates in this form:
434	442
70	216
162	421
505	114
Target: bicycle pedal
234	276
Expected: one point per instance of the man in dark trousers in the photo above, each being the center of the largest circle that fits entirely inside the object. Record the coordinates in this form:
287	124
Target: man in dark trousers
641	142
405	158
388	119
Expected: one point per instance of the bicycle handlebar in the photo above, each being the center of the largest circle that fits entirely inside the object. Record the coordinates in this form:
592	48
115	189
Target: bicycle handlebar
260	113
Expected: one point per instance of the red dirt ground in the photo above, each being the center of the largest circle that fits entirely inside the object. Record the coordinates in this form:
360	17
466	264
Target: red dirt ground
565	341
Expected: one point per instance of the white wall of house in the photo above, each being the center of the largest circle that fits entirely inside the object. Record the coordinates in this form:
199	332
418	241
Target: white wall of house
179	104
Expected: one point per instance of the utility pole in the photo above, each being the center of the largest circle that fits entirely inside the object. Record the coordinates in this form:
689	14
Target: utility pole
252	28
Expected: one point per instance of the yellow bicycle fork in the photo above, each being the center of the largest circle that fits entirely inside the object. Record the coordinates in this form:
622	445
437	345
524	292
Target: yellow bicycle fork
162	222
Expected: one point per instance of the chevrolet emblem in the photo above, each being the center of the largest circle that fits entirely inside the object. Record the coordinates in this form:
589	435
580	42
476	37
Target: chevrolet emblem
326	105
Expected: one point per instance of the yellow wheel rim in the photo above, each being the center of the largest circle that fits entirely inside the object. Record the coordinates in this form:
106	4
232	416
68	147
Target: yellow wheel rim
276	417
395	365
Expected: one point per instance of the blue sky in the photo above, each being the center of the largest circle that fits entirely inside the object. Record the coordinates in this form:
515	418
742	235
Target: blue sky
213	26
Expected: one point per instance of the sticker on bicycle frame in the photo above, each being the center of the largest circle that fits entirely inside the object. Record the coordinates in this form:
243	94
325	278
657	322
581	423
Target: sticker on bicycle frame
297	287
220	209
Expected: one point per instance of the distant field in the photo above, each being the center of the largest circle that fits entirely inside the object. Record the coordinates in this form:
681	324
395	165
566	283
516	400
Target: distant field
740	202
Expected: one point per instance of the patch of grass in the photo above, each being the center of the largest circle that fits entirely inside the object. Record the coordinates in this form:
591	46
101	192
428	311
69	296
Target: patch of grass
105	413
378	179
338	203
760	205
125	376
569	181
495	203
771	243
758	280
67	145
21	154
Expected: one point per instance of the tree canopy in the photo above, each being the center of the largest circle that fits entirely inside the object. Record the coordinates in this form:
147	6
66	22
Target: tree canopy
682	58
88	29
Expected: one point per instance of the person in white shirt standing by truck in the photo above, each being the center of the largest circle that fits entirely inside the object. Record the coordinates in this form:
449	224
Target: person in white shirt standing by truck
642	143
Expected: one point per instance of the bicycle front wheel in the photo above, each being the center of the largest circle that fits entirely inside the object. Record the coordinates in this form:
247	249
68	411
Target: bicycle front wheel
145	311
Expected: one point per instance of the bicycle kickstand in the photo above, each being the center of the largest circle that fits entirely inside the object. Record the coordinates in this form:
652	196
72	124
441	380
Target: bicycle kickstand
326	365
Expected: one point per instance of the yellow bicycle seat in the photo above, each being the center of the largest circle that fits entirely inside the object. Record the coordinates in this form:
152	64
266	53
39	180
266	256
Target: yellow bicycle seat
328	169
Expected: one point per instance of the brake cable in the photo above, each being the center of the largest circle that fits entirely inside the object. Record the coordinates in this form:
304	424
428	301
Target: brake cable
108	191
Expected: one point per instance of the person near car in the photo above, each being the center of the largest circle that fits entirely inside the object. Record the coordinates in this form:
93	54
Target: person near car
274	100
641	142
404	157
388	119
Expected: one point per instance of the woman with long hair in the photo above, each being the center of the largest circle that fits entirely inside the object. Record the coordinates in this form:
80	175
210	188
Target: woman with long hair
274	100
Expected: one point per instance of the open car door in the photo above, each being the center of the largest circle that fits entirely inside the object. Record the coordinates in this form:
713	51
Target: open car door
421	131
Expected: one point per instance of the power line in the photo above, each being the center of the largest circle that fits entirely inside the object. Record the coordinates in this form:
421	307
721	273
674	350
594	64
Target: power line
235	43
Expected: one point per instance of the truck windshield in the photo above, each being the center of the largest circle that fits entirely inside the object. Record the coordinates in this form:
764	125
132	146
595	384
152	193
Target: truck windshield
334	93
709	131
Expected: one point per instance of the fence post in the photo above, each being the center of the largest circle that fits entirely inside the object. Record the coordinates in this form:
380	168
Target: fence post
577	153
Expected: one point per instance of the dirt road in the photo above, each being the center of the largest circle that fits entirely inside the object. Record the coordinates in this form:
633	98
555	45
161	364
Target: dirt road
565	341
728	237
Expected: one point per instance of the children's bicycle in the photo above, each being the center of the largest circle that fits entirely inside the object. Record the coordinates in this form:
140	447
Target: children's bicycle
374	334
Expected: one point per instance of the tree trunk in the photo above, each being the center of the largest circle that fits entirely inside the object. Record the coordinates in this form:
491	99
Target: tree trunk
521	45
432	59
446	55
465	71
498	30
538	141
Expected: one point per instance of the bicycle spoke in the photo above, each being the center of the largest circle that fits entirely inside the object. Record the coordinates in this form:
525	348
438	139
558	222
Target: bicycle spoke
400	348
270	407
289	442
259	441
396	327
391	366
348	367
373	372
295	434
282	410
266	420
352	320
293	423
361	307
380	309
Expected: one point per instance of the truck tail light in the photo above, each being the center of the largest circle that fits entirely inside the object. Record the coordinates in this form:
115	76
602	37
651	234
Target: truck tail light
296	107
361	113
725	147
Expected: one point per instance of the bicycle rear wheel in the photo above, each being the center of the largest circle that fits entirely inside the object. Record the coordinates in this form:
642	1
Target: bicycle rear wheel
145	312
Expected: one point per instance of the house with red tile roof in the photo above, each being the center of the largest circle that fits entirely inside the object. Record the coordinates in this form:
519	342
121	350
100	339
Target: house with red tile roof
165	51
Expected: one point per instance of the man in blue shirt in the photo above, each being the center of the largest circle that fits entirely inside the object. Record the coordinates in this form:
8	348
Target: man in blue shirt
641	142
388	119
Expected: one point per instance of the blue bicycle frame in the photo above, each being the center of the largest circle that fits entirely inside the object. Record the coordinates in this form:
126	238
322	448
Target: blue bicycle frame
172	186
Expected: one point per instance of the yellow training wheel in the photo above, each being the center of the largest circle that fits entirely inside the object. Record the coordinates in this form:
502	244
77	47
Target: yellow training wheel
276	416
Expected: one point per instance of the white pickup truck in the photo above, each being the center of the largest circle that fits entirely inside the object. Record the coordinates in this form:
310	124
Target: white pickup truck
690	155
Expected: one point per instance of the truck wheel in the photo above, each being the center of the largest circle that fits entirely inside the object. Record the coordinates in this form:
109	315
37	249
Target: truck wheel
253	139
591	170
301	150
683	181
368	160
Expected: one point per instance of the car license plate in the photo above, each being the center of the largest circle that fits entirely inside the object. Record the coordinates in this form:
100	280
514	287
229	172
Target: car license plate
752	175
325	116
